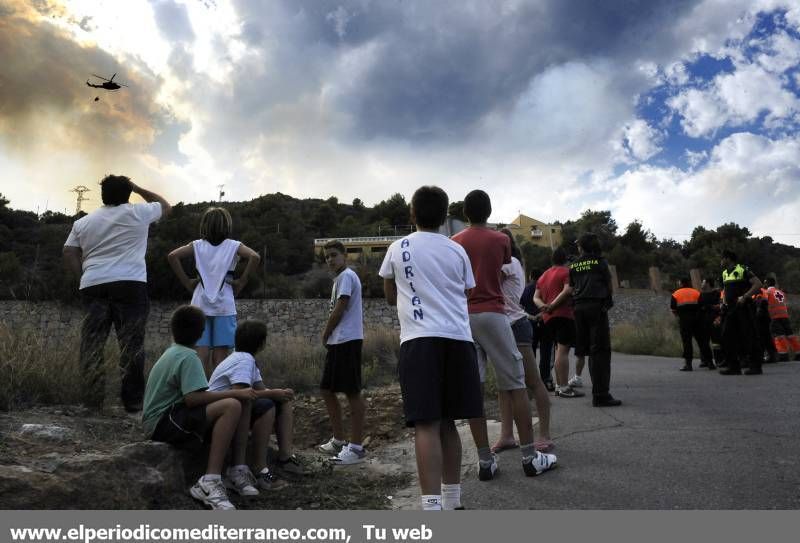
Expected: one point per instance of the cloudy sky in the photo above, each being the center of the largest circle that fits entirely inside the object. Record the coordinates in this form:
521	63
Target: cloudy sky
673	112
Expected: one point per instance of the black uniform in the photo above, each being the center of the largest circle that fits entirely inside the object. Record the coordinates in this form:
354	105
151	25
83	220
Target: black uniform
712	322
685	303
738	326
590	279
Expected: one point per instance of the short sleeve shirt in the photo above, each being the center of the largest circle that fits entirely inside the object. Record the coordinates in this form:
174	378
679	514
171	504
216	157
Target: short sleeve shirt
237	369
113	240
351	325
177	373
550	285
431	273
487	250
590	278
513	285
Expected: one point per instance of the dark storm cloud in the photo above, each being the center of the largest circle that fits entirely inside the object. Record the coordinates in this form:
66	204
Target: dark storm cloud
173	20
444	66
44	99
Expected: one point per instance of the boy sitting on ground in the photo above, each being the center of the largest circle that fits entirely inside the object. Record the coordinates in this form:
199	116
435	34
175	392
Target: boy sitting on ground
237	371
180	411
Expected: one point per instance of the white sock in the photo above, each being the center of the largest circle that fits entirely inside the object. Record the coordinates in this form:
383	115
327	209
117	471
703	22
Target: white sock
208	477
339	441
431	502
451	496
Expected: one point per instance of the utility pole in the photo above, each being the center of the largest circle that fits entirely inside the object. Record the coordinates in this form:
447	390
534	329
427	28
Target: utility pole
81	190
221	192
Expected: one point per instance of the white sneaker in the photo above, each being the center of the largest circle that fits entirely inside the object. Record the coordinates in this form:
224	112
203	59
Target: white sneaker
332	447
212	494
487	468
242	481
348	456
536	465
575	381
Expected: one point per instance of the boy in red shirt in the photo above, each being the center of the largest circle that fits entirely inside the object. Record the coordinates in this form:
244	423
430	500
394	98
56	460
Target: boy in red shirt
488	250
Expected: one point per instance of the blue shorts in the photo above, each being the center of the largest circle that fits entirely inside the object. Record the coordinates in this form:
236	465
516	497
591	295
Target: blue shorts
263	405
219	332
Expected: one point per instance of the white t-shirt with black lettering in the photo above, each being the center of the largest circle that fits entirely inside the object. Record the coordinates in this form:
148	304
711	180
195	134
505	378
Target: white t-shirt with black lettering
351	325
113	240
432	273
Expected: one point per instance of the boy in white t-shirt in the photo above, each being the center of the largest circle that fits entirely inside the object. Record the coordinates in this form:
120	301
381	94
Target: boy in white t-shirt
239	370
343	338
427	276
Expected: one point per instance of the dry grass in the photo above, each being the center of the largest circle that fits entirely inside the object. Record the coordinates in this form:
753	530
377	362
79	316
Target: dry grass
655	336
297	362
40	369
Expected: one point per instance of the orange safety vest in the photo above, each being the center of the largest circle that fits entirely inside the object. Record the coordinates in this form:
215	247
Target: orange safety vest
776	301
686	296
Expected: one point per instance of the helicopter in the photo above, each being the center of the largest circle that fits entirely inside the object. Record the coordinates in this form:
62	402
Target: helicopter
107	85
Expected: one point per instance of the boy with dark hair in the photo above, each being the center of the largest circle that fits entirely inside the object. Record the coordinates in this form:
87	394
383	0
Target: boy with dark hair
343	338
591	291
239	370
553	299
106	250
180	411
488	250
427	276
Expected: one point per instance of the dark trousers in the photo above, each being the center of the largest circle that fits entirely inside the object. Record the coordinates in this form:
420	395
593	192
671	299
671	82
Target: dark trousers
739	338
546	356
765	343
692	327
594	339
125	305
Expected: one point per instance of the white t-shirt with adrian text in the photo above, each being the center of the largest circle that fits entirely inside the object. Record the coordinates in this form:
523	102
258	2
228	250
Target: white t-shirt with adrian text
351	326
431	273
513	285
236	369
113	240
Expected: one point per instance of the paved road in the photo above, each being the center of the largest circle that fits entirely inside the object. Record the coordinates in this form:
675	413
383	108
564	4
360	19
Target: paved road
694	440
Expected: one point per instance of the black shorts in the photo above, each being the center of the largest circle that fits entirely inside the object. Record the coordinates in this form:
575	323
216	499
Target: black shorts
261	406
183	426
561	330
439	380
780	327
342	371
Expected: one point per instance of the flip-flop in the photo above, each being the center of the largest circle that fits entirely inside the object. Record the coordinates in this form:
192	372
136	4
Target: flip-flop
504	447
544	445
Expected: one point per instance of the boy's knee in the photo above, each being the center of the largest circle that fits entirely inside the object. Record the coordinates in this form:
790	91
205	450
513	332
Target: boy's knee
232	405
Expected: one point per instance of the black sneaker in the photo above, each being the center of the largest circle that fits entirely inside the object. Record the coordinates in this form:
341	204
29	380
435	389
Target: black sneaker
608	401
687	367
753	371
487	469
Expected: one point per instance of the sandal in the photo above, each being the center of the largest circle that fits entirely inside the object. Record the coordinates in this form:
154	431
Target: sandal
500	447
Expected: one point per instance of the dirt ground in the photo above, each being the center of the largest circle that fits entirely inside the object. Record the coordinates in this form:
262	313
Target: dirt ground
367	486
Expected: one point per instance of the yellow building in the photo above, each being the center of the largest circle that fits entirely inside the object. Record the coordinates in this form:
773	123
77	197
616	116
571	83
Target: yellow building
359	248
536	231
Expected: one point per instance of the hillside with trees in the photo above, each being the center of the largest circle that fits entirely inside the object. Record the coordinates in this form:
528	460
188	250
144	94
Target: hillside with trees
282	229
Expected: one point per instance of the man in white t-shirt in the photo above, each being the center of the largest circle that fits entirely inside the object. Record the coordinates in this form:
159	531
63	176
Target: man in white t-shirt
106	249
427	276
343	338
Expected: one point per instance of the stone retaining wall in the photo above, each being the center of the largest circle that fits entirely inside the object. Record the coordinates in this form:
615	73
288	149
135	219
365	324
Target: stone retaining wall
301	318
